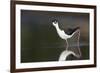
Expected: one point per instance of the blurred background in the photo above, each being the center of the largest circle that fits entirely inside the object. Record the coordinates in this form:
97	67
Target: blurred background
39	39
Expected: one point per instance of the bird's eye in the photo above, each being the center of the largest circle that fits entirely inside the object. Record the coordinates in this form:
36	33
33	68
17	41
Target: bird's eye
55	21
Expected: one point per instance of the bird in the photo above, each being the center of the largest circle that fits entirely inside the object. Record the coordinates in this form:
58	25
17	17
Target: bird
66	36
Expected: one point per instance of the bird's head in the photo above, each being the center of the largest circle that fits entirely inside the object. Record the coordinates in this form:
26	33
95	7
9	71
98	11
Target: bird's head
55	22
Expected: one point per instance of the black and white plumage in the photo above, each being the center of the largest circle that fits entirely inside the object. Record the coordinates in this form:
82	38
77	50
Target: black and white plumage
65	37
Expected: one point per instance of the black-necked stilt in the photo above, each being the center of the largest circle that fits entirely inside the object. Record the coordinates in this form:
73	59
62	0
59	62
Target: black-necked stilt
65	36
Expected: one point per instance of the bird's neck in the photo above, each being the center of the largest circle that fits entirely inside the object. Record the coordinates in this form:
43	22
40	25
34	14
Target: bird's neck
57	27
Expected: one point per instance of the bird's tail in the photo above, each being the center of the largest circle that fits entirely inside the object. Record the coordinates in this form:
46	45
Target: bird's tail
72	30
